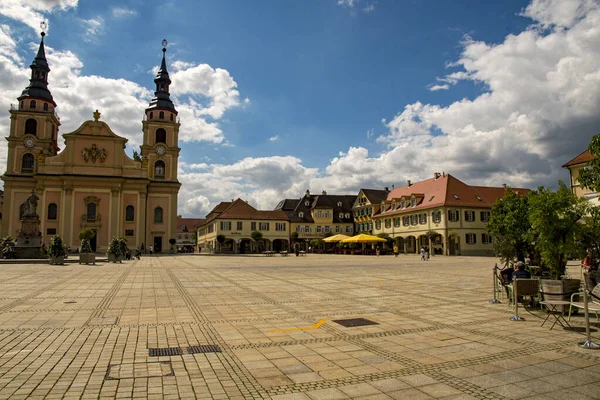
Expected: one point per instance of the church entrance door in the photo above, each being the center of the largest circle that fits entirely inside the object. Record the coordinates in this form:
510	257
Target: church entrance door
157	244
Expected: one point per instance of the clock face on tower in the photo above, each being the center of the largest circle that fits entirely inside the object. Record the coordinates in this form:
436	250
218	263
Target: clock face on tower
29	142
160	150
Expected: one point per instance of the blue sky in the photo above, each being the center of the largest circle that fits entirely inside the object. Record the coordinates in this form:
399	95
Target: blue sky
327	94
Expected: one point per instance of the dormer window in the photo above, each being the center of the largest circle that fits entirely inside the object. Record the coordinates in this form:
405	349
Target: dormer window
307	203
347	215
431	198
456	197
301	214
413	202
393	205
341	215
339	204
403	204
478	198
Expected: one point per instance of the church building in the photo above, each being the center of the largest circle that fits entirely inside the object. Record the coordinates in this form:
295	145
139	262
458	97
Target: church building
92	182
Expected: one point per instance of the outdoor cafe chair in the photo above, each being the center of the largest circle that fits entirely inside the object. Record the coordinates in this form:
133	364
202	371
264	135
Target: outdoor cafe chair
553	298
593	304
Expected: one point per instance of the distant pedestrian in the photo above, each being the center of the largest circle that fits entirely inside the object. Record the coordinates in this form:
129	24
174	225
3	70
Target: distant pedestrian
426	255
297	249
422	254
151	249
396	250
377	251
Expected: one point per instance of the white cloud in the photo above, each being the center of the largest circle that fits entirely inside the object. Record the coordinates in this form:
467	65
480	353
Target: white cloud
370	133
435	88
119	12
274	138
347	3
369	8
31	12
94	27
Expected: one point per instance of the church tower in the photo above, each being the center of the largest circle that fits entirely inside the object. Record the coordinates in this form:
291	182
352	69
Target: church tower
33	133
160	152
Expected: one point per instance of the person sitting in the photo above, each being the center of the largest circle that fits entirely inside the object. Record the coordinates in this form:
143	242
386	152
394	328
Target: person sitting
520	272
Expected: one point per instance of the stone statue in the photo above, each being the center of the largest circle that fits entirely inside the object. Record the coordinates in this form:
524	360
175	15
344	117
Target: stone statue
29	207
136	156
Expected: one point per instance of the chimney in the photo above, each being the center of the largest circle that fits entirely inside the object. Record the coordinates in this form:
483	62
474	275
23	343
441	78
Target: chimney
307	192
436	175
387	190
324	192
408	183
504	186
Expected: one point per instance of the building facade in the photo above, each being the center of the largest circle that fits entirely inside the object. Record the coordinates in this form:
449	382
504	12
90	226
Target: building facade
367	204
318	216
92	183
575	166
455	211
236	221
186	233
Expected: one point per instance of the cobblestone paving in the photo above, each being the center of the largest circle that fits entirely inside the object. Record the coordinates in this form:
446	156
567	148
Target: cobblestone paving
85	332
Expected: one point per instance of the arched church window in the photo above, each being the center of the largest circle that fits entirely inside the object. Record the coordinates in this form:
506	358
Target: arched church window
159	169
158	215
161	115
31	127
91	212
52	211
45	106
22	104
32	104
27	163
129	213
171	116
151	115
161	135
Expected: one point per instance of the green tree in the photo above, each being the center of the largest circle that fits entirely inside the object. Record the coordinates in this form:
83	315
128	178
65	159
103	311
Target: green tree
587	237
590	177
510	227
221	240
431	235
554	218
257	236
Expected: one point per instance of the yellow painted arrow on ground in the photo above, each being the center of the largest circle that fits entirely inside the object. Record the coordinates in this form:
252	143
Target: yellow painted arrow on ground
308	328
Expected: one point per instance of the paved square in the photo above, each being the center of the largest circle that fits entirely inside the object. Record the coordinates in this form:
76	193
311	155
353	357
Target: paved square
85	332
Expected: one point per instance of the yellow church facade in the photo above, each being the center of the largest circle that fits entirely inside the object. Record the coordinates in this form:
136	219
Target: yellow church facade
92	183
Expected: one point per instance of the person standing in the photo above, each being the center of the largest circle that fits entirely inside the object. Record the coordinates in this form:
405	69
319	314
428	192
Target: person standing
377	251
396	250
422	254
151	249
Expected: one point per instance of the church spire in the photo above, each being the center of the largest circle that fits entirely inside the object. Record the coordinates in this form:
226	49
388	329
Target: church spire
38	83
162	99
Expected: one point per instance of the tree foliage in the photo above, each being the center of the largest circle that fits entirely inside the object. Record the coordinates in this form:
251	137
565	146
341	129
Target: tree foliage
590	177
555	221
509	226
587	237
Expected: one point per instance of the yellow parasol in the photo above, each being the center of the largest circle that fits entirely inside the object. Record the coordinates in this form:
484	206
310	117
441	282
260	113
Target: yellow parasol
363	238
336	238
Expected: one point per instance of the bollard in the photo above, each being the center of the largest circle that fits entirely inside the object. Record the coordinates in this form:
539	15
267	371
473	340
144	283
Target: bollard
495	300
588	344
516	316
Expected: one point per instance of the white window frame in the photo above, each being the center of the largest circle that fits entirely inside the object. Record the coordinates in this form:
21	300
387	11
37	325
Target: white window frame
471	238
453	215
469	216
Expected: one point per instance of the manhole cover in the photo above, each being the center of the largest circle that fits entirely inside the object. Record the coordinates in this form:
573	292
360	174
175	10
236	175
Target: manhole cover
349	323
165	351
206	348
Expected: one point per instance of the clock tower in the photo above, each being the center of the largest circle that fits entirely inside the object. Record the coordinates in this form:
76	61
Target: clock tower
33	133
160	154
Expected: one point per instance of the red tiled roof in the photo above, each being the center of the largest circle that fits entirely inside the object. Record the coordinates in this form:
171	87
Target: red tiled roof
580	159
239	209
189	223
446	190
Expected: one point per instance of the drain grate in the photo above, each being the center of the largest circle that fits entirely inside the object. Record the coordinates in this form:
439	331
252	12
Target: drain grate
165	351
352	322
205	348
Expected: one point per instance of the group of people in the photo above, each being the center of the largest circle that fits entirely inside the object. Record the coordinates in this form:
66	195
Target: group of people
424	254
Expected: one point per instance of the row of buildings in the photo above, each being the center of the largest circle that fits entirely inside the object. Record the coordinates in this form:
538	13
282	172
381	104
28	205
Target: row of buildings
457	212
92	183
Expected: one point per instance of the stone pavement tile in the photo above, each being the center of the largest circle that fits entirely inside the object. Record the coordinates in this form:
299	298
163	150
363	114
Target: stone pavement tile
463	372
509	376
389	385
538	386
362	370
380	396
305	377
359	389
592	389
291	396
531	371
570	395
270	381
295	369
409	394
572	378
577	362
555	366
417	380
330	374
462	396
327	394
439	390
512	391
485	381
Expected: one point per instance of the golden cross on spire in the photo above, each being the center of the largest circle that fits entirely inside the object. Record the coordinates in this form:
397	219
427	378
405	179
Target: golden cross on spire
96	116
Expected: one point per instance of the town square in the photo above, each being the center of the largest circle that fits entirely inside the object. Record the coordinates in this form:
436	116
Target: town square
228	327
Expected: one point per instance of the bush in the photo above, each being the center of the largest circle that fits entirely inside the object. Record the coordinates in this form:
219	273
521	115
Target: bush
56	248
85	236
